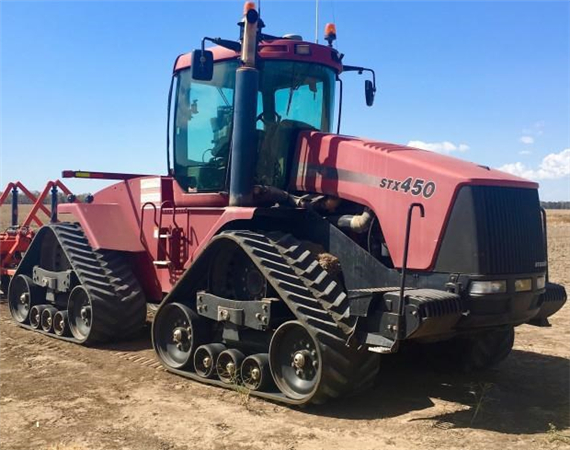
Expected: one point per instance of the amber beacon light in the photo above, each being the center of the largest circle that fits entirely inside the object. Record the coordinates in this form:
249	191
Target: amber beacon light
330	33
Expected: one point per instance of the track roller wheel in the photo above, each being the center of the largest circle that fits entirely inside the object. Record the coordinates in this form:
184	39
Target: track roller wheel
205	359
36	316
228	365
296	361
46	320
177	332
23	295
255	372
60	323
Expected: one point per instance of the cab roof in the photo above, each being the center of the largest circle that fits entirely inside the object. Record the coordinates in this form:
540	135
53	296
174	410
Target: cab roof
279	49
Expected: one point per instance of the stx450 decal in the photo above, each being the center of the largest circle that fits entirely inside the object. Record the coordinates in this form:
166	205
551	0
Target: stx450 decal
413	186
410	185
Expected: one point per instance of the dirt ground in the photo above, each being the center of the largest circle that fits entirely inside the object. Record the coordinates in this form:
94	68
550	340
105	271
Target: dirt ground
55	395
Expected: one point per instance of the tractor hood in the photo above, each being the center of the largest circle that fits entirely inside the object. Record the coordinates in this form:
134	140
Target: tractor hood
388	178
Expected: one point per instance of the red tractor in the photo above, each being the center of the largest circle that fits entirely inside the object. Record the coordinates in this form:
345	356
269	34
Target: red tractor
284	256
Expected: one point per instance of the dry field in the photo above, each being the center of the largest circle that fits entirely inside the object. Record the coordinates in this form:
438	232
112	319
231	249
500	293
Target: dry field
60	396
23	210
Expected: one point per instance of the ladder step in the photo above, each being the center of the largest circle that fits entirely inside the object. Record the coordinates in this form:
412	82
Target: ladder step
161	263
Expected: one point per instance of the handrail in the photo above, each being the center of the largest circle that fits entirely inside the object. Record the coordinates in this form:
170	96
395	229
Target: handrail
543	214
173	206
158	226
141	232
405	261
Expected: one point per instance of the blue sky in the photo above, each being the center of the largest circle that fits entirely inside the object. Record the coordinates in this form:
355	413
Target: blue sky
84	84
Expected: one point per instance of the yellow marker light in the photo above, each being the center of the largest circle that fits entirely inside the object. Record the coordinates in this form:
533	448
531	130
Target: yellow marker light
82	175
523	285
247	6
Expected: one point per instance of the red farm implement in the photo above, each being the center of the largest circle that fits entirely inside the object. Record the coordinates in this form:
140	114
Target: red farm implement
16	238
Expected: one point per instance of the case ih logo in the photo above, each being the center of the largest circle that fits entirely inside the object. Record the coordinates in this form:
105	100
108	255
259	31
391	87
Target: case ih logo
415	187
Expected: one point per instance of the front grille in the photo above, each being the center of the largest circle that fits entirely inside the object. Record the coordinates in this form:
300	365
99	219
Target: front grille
509	229
493	230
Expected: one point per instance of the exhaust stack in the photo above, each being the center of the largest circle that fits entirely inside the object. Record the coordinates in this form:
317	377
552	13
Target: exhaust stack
244	136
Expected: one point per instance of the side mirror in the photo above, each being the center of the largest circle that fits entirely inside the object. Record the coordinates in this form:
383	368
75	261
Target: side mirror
369	91
202	65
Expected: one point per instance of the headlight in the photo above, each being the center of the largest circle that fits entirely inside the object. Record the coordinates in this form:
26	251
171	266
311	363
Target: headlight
488	287
523	285
540	282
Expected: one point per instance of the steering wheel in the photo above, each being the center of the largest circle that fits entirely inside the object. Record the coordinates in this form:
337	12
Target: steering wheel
205	153
260	117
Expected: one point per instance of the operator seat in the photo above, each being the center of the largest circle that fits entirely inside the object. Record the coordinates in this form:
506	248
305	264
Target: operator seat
276	151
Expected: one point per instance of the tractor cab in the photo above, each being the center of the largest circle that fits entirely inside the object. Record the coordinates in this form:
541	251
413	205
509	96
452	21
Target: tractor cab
296	92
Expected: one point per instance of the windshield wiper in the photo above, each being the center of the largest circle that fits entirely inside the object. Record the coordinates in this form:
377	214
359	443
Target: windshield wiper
224	98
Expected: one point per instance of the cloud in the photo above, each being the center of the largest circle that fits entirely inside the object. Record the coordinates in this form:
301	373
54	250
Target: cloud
527	139
445	147
525	152
552	167
537	129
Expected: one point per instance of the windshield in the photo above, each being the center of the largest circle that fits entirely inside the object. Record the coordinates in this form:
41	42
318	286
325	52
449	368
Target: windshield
293	96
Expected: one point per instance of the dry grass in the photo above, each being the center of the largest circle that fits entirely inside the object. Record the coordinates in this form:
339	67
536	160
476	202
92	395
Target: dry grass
479	391
558	216
556	435
23	210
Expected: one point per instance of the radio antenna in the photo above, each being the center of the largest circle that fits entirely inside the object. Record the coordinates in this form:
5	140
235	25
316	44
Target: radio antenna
316	21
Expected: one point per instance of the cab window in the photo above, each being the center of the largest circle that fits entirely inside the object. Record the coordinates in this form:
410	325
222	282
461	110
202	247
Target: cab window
203	128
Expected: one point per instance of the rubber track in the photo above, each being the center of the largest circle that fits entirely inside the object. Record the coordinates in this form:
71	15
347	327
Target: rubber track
321	285
315	300
118	302
487	350
473	353
365	364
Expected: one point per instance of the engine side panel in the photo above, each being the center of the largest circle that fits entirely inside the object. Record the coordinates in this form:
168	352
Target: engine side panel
388	178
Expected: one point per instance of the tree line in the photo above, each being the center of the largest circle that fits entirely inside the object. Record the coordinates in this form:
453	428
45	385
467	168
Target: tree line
555	205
